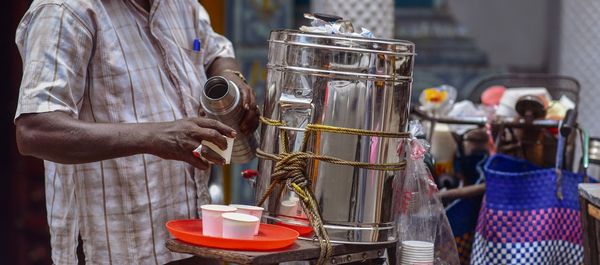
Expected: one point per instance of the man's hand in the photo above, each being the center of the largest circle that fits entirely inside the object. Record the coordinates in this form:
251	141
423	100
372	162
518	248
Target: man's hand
224	67
176	140
251	113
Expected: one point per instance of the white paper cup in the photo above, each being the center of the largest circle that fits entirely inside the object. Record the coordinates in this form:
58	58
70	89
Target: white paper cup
239	225
212	221
289	208
255	211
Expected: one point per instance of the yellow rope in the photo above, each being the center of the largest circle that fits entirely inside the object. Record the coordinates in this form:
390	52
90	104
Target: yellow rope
342	130
290	169
333	160
271	122
333	129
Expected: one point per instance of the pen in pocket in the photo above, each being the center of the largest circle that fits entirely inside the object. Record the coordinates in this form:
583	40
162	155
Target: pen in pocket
196	45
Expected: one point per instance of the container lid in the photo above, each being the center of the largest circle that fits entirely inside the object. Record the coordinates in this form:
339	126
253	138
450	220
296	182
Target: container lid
342	42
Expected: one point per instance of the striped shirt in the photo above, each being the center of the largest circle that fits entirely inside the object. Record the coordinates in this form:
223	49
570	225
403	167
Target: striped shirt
110	61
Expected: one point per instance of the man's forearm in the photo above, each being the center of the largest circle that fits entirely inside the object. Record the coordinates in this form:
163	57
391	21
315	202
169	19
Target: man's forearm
57	137
221	64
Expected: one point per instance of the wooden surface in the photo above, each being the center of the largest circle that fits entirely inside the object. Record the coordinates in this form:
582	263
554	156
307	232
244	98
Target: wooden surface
589	198
591	231
301	250
594	211
591	192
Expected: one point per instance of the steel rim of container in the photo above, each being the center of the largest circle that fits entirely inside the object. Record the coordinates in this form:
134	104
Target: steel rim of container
228	85
338	48
344	37
333	73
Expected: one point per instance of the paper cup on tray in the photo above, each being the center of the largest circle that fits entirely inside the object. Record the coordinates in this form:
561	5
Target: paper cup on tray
255	211
239	225
212	220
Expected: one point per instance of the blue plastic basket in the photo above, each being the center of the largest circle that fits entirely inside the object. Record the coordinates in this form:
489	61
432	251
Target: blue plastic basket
530	215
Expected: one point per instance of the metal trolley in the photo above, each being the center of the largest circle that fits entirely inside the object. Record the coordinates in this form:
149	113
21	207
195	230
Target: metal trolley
534	135
529	136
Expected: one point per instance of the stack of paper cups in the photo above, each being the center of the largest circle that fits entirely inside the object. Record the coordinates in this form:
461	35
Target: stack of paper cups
417	253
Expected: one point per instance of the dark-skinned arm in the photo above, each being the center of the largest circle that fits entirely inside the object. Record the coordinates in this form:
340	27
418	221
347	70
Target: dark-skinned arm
58	137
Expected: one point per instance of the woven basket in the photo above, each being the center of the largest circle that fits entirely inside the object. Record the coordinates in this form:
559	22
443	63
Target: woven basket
522	220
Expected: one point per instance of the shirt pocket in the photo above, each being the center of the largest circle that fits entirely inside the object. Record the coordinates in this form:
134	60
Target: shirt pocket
195	57
192	60
184	39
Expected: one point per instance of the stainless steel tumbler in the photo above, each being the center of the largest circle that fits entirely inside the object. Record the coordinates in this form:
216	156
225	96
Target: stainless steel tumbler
221	100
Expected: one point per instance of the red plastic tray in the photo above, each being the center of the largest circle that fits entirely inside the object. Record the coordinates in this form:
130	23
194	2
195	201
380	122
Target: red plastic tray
302	230
270	237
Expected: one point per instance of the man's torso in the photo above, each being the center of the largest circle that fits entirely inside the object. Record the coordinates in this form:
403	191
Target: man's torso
142	69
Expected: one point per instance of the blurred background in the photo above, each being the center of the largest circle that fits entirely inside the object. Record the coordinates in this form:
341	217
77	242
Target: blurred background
458	42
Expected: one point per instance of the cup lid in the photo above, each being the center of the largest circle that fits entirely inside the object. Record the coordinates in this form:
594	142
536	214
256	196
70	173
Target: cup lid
240	217
218	208
247	207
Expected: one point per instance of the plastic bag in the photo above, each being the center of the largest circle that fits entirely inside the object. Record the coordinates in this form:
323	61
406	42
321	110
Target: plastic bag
424	233
341	27
438	100
464	109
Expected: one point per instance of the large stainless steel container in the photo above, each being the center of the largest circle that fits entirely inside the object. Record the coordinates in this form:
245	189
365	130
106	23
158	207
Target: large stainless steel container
346	82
